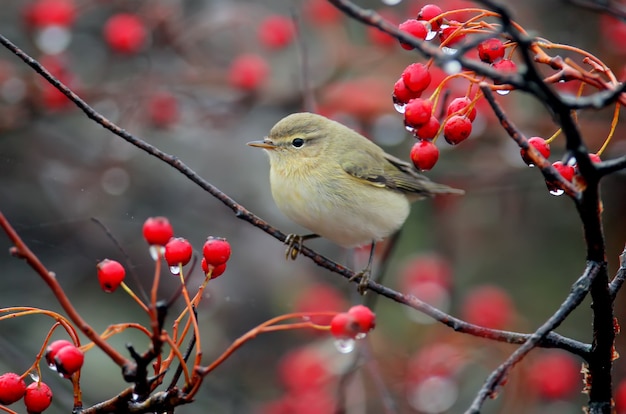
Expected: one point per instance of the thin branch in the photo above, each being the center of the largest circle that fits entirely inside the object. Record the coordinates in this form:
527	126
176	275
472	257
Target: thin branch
577	293
619	278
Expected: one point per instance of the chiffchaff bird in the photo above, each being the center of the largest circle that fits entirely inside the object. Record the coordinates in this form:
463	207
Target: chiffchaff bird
338	184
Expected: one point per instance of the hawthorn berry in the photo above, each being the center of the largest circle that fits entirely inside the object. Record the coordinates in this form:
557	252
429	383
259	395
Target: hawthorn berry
178	251
488	306
416	77
402	94
540	145
620	397
157	231
217	270
216	251
417	112
424	155
429	13
458	105
44	13
429	130
595	158
276	32
12	388
566	171
452	34
491	50
302	370
53	348
163	109
415	28
248	72
110	275
554	375
321	12
504	66
344	326
364	317
69	360
38	397
125	33
457	129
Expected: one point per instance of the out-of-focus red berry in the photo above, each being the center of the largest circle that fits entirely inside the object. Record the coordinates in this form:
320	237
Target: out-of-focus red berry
163	109
12	388
435	360
555	375
364	317
459	105
415	28
216	251
178	251
426	268
429	13
38	397
540	145
457	129
110	275
491	50
321	12
380	38
302	370
488	306
319	298
125	33
68	360
613	31
424	155
620	397
157	231
417	112
276	32
416	77
248	72
43	13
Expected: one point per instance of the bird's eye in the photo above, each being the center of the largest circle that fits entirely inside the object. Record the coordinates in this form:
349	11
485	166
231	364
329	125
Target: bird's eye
297	142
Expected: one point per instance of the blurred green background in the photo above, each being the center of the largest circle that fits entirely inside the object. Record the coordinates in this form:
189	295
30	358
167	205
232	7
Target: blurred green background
58	170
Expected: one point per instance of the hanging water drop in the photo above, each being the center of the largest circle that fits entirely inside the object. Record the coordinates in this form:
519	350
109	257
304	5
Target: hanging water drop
360	335
452	67
503	92
409	128
556	192
175	270
448	50
154	252
345	346
34	376
431	35
399	107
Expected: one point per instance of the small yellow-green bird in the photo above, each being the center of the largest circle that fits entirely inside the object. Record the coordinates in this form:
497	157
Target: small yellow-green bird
335	182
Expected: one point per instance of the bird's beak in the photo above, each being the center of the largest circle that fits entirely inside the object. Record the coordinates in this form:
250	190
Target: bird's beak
265	144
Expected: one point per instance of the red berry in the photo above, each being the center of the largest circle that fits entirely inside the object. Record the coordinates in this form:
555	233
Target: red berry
416	77
488	306
402	94
69	360
415	28
321	12
426	268
417	112
125	33
344	326
540	145
157	231
424	155
620	397
55	347
594	158
302	370
163	109
504	66
491	50
364	317
38	397
451	34
12	388
429	13
43	13
458	105
457	129
216	251
555	375
110	275
377	36
217	270
248	72
566	171
178	252
276	32
429	130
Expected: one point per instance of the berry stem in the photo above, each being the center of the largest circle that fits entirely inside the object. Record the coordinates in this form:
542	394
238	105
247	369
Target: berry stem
614	122
135	297
194	320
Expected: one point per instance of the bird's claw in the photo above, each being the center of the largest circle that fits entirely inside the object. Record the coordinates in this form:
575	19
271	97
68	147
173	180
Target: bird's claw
364	281
294	244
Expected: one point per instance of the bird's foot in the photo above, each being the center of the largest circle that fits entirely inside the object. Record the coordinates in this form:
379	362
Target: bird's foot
364	276
294	244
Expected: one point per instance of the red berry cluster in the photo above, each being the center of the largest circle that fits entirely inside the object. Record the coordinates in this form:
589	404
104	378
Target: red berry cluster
359	320
64	357
37	396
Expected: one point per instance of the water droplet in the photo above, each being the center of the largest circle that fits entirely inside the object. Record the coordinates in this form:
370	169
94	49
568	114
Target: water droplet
391	2
409	128
175	270
452	67
431	35
345	346
135	397
399	107
448	50
360	335
503	92
34	376
156	252
556	192
53	39
433	395
531	165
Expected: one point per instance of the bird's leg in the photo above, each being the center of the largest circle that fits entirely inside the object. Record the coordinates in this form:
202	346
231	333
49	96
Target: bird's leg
294	244
365	273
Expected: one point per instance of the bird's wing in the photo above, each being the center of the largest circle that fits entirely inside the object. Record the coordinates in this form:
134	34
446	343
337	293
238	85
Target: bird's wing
380	169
